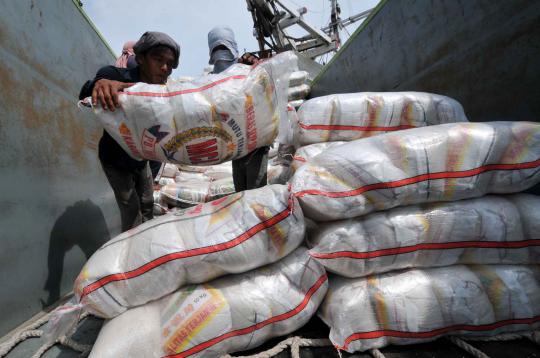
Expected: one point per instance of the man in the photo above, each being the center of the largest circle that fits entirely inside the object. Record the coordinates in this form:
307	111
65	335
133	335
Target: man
157	55
249	172
127	60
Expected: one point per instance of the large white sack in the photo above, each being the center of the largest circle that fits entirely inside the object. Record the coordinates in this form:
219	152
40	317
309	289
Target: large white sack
232	313
308	152
234	234
414	306
487	230
350	116
439	163
208	120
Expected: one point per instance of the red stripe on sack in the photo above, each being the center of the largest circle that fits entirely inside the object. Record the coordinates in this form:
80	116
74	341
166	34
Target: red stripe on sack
300	159
425	246
246	330
436	332
192	90
420	178
187	253
329	127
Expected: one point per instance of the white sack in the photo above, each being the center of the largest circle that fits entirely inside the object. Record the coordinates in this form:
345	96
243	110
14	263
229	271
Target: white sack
350	116
230	235
487	230
308	152
298	92
414	306
208	120
186	194
160	206
447	162
229	314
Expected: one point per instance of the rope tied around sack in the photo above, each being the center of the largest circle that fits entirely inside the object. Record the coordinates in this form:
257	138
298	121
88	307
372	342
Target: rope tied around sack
32	331
293	342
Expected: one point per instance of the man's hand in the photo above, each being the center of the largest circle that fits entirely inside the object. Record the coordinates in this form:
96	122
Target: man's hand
248	59
106	91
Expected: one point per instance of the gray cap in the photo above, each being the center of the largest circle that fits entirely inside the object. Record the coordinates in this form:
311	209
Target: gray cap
154	38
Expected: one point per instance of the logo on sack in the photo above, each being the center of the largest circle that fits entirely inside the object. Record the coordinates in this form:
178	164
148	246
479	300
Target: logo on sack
202	152
125	132
251	127
187	317
150	137
237	130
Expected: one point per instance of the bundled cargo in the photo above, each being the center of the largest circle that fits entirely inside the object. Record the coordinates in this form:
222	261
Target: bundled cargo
230	235
346	117
487	230
208	120
305	154
232	313
447	162
414	306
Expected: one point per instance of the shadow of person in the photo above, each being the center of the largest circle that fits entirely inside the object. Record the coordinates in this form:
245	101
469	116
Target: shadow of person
82	225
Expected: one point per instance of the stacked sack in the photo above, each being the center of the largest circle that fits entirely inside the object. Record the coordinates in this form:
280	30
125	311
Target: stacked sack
195	185
166	288
405	225
323	122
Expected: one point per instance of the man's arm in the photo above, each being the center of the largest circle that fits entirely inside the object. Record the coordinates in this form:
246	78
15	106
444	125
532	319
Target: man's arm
105	87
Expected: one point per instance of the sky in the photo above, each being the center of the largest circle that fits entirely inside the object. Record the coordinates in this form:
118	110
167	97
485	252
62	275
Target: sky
188	22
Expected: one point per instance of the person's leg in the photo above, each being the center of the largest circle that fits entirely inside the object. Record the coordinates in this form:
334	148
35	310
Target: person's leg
154	168
239	173
123	185
144	185
256	168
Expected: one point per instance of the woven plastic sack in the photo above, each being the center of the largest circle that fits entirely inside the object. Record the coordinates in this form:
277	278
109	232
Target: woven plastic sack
229	314
487	230
304	154
230	235
220	188
208	120
447	162
160	206
218	172
346	117
186	194
298	92
415	306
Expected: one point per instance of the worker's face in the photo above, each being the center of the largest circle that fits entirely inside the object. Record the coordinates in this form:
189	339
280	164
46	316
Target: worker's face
156	65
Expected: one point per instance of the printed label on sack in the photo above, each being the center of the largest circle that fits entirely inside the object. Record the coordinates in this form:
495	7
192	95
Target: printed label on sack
251	126
125	132
201	145
150	137
188	313
276	234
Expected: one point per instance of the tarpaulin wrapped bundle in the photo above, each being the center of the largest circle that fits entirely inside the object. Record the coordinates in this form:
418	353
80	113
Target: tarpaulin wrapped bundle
447	162
414	306
488	230
230	235
306	153
350	116
208	120
232	313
